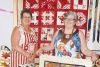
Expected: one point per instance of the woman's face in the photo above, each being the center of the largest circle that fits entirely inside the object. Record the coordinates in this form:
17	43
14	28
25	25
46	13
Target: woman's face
26	20
69	21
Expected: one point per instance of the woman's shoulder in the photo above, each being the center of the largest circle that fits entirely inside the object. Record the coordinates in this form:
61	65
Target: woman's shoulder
57	32
60	30
17	29
78	31
81	34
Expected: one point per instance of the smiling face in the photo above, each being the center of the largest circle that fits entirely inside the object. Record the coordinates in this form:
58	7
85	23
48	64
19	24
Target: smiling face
69	21
26	19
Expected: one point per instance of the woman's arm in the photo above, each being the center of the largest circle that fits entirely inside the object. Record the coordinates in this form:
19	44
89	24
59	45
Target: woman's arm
15	42
85	49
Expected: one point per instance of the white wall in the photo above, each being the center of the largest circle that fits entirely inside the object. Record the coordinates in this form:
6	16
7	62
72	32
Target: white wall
6	22
95	15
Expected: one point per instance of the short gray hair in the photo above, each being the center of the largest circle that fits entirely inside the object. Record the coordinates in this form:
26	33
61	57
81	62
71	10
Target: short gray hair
70	13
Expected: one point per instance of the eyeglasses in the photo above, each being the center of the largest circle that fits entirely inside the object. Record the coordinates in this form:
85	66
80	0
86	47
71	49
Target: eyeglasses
26	17
70	19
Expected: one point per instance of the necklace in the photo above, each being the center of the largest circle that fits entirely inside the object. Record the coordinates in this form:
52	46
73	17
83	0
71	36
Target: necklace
67	36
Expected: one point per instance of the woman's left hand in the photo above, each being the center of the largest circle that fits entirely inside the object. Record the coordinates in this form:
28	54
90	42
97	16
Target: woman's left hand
94	57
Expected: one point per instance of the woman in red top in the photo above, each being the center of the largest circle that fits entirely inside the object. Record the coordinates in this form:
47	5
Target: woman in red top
24	41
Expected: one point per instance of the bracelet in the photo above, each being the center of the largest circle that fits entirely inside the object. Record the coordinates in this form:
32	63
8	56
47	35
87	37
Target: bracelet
92	54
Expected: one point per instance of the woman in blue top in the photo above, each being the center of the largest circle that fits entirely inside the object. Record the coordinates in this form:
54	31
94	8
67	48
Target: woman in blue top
70	41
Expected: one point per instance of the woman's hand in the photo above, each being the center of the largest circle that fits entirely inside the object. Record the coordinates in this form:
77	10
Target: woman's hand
94	57
39	51
31	58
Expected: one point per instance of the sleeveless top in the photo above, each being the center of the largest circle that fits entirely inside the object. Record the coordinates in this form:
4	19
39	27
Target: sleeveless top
27	42
62	49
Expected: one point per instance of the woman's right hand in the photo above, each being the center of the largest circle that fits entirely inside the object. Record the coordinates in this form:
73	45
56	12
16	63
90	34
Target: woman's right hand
39	51
30	59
